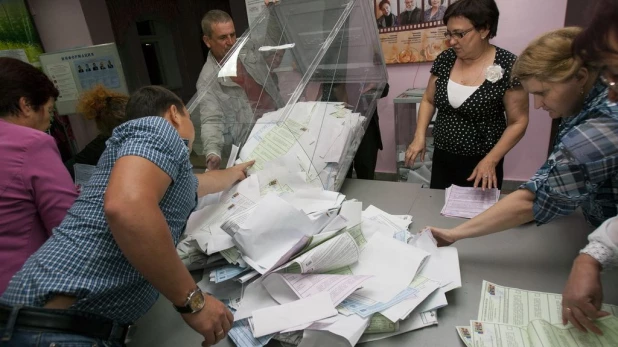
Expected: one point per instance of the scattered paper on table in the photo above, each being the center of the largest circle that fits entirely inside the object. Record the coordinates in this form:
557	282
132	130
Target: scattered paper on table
274	319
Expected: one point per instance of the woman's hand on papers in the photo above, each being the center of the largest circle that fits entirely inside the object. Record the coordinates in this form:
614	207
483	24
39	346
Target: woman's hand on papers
213	322
484	174
583	295
443	236
416	148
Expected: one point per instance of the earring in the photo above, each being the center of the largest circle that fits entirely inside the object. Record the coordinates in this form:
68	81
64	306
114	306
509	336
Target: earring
582	91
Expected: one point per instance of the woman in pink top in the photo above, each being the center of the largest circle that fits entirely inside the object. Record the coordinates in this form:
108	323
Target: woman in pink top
35	187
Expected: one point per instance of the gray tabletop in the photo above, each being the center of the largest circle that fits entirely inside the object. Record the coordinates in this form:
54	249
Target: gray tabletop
528	257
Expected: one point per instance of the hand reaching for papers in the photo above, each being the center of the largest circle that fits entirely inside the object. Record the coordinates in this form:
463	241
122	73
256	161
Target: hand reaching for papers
213	162
416	148
240	170
583	295
443	236
219	180
213	321
484	174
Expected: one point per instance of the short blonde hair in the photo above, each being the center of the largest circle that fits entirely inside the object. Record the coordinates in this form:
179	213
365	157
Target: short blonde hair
549	58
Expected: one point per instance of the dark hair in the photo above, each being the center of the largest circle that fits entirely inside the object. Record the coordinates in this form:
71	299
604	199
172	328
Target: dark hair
151	101
483	14
429	2
105	106
593	42
383	2
19	79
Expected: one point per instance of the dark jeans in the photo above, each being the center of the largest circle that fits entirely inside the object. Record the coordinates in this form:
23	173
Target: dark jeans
15	335
448	168
39	338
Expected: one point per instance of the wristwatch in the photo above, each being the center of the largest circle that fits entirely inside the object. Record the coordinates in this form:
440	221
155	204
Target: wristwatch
195	302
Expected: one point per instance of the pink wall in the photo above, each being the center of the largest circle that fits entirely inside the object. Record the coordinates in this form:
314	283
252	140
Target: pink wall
520	22
61	25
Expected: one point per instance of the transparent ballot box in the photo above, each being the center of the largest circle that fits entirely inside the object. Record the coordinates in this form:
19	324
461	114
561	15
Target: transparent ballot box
296	91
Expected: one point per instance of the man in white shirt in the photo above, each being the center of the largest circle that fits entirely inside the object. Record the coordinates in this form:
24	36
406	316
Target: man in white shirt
229	106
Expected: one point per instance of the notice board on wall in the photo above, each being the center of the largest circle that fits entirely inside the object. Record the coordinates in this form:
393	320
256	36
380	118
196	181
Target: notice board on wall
77	70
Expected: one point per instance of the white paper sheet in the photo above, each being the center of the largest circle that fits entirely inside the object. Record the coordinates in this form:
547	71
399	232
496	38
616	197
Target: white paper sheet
274	319
402	223
436	300
312	200
255	297
424	287
340	251
416	321
230	66
425	241
272	229
346	332
352	211
393	263
304	286
275	48
209	199
248	188
233	155
443	266
336	224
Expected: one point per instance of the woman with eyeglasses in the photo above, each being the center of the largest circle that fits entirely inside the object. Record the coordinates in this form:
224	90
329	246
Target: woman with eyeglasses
482	114
582	169
583	293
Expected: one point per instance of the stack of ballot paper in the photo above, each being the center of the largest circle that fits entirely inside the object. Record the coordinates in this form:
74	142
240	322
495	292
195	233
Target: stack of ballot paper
520	318
315	138
299	264
466	202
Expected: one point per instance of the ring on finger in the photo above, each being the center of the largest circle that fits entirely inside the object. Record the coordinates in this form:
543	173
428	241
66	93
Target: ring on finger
220	333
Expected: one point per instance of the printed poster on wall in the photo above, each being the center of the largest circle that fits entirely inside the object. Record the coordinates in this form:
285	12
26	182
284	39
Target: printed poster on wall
97	70
411	31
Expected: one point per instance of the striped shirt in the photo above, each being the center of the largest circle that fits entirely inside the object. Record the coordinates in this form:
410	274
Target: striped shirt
82	259
582	170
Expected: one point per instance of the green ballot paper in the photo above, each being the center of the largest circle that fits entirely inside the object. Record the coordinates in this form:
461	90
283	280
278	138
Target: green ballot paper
541	333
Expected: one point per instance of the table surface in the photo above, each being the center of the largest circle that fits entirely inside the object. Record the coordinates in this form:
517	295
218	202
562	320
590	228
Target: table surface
527	257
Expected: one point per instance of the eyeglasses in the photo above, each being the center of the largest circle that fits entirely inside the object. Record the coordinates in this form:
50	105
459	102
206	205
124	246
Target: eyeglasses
458	35
609	81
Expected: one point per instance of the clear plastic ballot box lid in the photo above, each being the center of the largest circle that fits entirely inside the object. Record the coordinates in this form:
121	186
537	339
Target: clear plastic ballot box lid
298	89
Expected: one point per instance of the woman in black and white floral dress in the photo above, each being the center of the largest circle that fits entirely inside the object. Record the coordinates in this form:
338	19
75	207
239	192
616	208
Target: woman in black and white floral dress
482	114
